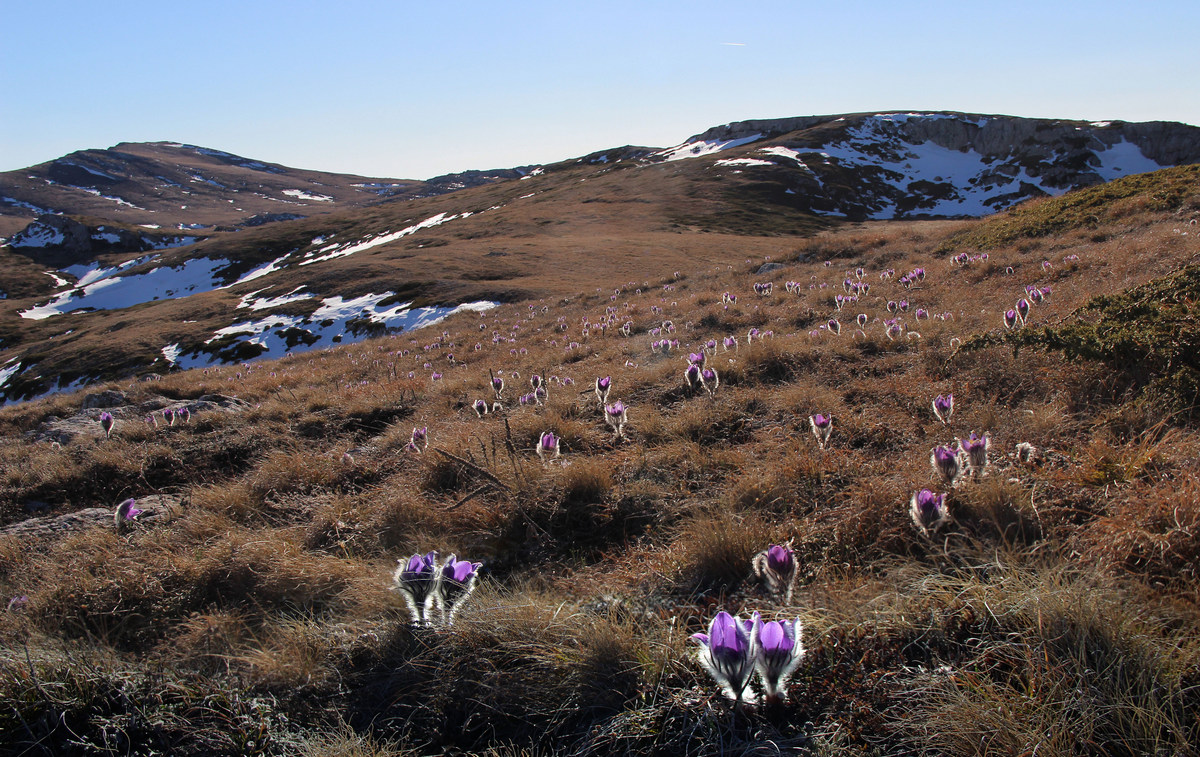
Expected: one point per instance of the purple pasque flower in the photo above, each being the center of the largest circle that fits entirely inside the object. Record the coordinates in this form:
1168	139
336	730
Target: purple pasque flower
420	439
943	407
928	511
456	582
862	320
435	376
728	651
417	581
535	381
106	423
697	358
125	513
822	427
777	566
603	385
833	325
1011	319
615	415
498	386
183	414
730	343
892	307
946	463
976	448
692	376
548	446
1023	309
894	331
481	407
169	416
710	380
779	653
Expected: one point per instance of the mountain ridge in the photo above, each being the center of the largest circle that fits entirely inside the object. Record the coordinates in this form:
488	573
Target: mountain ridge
623	214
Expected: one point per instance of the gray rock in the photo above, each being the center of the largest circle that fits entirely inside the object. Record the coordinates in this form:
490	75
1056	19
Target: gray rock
105	399
768	267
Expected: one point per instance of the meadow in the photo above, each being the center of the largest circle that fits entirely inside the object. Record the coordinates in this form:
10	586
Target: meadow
253	608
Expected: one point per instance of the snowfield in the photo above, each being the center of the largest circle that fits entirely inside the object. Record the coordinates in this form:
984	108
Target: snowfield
111	292
336	321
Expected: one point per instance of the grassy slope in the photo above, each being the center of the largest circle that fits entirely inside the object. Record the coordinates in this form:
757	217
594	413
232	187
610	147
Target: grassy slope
1059	610
526	239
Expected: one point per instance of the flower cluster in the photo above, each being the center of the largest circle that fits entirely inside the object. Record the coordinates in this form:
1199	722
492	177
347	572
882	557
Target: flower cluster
428	587
734	649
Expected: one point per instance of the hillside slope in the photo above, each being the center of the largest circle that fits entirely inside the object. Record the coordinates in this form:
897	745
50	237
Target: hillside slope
1045	601
631	212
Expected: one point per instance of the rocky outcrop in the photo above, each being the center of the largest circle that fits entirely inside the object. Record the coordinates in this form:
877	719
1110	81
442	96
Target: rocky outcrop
913	165
85	424
60	241
156	508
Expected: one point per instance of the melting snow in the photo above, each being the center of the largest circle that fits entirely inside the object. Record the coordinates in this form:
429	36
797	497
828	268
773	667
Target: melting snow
336	251
8	370
115	292
37	235
27	206
330	324
171	353
262	303
301	195
261	271
743	162
1123	159
707	147
92	171
117	200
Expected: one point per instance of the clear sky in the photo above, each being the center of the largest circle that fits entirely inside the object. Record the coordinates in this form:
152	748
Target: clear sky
413	89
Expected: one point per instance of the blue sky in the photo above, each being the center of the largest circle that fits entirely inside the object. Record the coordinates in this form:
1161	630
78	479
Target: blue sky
415	89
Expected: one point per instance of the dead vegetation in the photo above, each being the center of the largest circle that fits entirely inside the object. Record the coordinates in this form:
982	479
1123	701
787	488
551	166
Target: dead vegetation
1057	610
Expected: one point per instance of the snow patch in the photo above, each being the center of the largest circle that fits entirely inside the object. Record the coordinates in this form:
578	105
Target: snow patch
262	303
302	195
116	292
1123	159
8	370
28	206
339	251
262	270
707	147
743	162
38	235
337	320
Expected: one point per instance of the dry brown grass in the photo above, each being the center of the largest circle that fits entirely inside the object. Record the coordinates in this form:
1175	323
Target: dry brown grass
272	580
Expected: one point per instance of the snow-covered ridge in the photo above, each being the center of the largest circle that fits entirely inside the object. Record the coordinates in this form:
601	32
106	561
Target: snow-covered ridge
910	164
